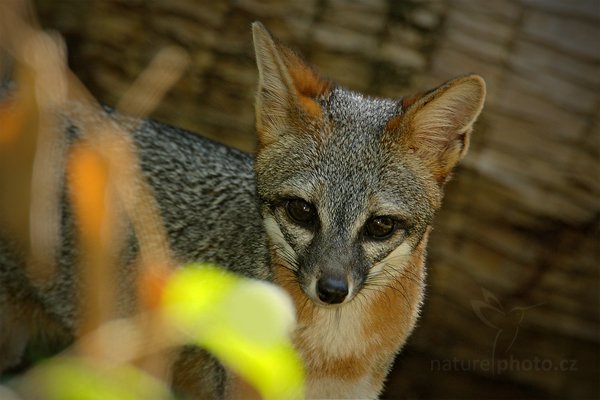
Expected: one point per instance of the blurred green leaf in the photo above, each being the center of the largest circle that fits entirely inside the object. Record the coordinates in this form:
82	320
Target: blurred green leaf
63	378
245	323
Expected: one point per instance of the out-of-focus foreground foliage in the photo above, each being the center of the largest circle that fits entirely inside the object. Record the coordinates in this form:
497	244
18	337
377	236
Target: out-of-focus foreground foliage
244	323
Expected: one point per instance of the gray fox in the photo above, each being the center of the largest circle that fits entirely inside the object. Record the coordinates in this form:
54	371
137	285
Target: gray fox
336	208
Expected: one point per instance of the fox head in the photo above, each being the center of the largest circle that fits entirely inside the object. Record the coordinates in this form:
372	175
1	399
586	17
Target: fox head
349	184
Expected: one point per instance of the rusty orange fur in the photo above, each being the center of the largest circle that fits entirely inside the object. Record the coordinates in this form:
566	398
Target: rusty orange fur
391	313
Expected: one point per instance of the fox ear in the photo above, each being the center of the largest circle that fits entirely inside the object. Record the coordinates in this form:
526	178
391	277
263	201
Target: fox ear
438	125
287	86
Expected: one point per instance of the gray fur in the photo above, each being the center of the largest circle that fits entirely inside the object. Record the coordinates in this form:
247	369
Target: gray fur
346	174
206	195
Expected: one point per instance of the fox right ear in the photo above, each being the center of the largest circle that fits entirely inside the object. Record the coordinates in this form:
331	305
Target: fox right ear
437	126
287	86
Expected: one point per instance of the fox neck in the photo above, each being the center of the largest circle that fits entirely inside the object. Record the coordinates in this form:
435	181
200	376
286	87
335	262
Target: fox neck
349	349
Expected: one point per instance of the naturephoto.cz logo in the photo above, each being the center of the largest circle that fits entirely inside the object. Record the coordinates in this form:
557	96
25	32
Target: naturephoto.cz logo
505	323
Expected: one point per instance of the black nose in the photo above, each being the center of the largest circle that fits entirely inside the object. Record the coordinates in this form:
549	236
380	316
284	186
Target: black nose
332	290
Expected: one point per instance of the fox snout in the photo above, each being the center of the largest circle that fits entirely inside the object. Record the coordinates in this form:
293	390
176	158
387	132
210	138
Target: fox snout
330	275
332	289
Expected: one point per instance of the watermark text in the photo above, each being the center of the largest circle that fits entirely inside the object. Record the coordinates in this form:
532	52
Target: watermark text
510	364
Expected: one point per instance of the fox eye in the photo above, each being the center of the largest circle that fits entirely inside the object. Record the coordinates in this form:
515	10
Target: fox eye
300	211
380	227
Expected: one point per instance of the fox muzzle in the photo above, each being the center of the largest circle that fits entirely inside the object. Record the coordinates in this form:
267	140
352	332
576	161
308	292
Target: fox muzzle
332	289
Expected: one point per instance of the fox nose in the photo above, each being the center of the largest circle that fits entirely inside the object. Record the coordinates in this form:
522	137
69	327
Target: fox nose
332	290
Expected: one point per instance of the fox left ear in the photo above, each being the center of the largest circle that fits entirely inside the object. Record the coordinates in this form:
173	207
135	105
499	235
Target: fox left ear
437	126
287	87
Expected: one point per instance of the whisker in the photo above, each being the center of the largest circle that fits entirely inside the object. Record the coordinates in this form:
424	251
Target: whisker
289	261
